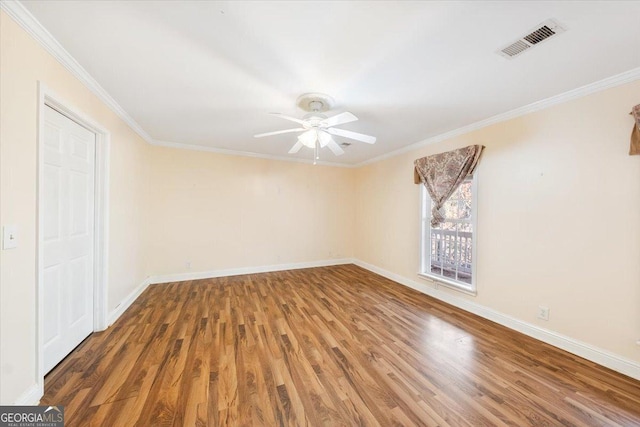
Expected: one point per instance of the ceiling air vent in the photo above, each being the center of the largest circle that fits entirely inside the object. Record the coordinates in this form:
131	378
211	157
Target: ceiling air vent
542	32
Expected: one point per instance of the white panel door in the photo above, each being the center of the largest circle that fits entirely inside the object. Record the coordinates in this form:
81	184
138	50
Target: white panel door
67	237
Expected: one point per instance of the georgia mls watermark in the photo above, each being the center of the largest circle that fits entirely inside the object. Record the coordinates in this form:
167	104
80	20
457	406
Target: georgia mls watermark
31	416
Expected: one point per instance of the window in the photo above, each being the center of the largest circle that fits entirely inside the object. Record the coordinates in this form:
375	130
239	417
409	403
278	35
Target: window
448	250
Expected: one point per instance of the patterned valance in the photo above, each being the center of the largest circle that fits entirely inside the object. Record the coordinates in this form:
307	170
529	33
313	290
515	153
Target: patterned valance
443	173
635	132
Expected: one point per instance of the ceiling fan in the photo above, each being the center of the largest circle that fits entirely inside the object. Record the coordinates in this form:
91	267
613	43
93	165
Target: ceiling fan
318	129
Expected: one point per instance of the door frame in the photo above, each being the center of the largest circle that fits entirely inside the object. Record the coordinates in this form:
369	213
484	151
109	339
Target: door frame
48	98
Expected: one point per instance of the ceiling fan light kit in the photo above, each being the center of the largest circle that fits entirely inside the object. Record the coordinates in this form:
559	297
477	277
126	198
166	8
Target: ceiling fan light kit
318	129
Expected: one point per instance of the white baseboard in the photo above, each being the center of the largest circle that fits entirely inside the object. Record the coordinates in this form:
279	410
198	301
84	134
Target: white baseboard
587	351
602	357
126	303
246	270
30	397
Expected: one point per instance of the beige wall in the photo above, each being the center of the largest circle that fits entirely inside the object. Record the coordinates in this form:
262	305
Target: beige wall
543	180
220	212
23	63
558	218
167	206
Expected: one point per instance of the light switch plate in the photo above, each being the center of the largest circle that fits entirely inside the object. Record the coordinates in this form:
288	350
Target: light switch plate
9	236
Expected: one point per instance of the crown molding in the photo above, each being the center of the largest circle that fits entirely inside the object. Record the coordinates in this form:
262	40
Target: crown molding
228	152
16	10
607	83
33	27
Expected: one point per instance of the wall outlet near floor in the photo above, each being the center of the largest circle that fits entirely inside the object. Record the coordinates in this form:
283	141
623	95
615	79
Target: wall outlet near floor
543	312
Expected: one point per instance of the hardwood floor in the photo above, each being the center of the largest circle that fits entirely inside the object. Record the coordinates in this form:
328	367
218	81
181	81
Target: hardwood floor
333	346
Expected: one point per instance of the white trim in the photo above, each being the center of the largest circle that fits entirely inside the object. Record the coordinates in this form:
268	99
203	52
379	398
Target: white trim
195	147
451	284
587	351
47	97
31	25
30	397
246	270
181	277
607	83
101	237
126	303
425	241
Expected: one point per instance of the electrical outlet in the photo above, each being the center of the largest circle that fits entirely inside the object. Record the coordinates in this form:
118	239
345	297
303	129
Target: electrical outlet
188	264
543	312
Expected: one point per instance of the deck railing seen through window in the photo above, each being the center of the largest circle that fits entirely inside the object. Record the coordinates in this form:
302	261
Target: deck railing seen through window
451	254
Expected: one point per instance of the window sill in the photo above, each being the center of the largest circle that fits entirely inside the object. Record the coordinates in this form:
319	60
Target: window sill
439	281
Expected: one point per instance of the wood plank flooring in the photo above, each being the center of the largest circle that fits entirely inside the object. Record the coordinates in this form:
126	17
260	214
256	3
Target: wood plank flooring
333	346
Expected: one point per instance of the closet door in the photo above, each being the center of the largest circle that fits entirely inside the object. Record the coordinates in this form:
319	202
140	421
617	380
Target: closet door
68	200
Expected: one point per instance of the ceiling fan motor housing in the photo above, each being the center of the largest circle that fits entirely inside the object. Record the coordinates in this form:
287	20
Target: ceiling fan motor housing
313	120
315	102
317	128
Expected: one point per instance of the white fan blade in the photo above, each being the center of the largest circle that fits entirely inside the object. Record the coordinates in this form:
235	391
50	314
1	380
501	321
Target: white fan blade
339	119
352	135
282	116
278	132
296	147
335	148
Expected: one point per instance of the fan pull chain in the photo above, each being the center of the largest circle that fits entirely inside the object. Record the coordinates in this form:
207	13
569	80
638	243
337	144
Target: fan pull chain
316	156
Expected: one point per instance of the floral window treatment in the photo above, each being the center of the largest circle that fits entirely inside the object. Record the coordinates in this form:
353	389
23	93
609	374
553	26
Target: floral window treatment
635	132
443	173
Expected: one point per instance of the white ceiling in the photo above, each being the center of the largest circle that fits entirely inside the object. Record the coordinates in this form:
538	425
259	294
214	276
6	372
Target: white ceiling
206	73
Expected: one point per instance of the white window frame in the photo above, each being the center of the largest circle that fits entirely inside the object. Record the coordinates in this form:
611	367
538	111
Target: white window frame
425	242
